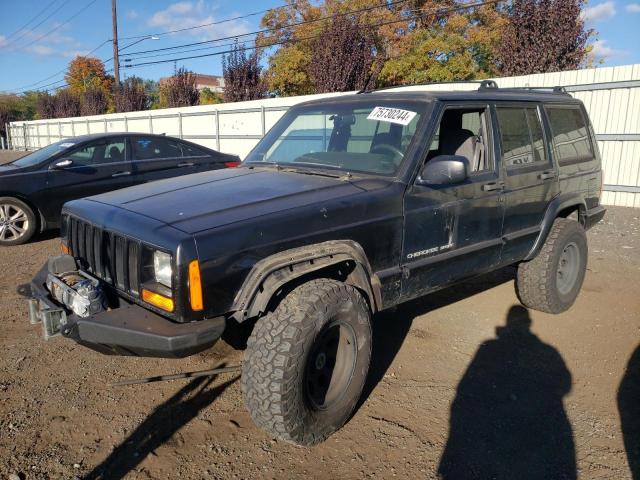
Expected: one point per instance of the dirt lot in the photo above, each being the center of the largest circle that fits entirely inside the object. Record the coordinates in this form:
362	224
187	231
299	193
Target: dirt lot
10	155
461	380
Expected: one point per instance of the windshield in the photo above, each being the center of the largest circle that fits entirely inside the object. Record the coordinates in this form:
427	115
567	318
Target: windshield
370	137
41	155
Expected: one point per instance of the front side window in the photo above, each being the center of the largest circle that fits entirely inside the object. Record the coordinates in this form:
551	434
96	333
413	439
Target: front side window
102	151
361	137
153	148
571	139
521	136
463	132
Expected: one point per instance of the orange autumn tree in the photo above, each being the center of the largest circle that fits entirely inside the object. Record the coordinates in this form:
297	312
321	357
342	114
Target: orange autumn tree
85	73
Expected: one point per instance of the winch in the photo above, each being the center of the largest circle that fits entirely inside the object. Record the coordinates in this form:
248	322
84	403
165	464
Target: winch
73	288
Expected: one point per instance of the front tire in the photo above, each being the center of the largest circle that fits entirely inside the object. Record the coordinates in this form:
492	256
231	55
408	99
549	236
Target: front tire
17	222
306	363
552	280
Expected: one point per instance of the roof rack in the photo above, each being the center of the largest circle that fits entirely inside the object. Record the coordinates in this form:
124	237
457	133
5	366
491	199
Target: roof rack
483	85
481	82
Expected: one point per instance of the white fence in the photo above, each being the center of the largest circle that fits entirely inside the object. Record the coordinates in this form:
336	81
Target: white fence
611	96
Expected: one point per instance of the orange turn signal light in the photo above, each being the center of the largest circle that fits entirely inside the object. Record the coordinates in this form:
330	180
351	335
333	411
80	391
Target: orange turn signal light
157	300
195	287
65	249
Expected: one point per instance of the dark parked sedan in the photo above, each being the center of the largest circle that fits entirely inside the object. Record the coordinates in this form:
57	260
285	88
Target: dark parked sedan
34	188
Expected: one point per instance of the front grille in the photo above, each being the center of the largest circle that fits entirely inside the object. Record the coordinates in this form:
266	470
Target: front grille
108	256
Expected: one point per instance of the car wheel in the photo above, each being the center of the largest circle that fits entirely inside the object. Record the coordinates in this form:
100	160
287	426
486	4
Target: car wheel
306	363
552	280
17	222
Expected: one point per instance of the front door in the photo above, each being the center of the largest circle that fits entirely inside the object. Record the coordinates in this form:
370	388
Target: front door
96	167
454	231
531	179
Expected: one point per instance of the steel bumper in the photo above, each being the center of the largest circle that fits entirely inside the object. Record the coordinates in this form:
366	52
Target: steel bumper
126	330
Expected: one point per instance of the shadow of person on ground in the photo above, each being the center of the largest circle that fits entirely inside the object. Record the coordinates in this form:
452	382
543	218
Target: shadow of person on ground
507	419
629	407
391	327
159	427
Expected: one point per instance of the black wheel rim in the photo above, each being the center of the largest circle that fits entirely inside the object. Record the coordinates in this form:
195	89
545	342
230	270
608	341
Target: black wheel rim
568	268
330	365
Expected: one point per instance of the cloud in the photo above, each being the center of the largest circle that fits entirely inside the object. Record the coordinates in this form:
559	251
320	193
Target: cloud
633	8
189	14
602	11
41	50
601	50
3	41
132	14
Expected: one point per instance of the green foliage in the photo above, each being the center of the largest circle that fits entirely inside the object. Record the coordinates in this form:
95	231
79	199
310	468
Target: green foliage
207	97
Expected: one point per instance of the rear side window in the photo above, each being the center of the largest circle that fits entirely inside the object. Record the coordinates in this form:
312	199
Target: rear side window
149	148
191	151
571	140
521	136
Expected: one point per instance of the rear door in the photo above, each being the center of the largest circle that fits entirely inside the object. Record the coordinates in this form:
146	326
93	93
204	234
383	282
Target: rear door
155	158
531	179
95	167
454	231
197	160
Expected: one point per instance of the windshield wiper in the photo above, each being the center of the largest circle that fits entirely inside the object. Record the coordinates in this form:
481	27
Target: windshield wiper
306	171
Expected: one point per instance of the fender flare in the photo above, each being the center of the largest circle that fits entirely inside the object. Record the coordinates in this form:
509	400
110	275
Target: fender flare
270	274
557	205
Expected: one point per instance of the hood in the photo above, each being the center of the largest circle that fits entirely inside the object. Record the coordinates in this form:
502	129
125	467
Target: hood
202	201
8	169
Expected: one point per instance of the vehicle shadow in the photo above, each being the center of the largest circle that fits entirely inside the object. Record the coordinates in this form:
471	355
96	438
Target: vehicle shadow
390	328
507	419
46	235
629	408
158	427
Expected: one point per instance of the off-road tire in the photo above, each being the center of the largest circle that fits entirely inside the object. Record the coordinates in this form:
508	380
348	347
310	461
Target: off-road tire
14	205
274	372
537	284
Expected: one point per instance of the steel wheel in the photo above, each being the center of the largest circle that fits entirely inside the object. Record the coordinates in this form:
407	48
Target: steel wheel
14	222
330	365
568	268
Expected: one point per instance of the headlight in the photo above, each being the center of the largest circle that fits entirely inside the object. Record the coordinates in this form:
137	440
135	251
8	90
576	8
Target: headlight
162	268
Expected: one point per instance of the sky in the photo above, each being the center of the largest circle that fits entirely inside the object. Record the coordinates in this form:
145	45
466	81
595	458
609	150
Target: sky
39	37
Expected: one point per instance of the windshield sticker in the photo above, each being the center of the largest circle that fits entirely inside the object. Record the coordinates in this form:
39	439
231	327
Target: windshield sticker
66	145
392	115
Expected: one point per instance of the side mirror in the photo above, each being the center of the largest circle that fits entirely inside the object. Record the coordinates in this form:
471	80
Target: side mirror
444	170
61	164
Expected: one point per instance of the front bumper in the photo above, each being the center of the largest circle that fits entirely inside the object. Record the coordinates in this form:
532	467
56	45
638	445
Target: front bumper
126	330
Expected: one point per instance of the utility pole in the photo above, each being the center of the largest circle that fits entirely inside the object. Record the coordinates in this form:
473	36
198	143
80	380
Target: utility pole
116	60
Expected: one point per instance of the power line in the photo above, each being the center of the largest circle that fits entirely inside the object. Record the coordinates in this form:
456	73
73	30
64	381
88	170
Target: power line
284	42
57	27
304	22
13	42
24	88
31	19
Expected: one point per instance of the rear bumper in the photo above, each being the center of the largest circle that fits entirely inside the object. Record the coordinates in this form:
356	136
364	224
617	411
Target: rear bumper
127	330
593	216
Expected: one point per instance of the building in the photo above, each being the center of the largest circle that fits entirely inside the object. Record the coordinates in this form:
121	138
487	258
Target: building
214	83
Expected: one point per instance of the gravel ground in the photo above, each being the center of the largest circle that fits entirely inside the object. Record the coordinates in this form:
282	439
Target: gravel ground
461	379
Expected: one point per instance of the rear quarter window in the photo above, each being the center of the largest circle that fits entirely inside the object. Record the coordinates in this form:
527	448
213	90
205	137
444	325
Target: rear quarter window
571	140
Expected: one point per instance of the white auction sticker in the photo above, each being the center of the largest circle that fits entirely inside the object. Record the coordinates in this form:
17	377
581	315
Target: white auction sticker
392	115
67	145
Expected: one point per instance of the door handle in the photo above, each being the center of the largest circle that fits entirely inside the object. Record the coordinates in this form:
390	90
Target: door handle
120	174
186	164
547	175
488	187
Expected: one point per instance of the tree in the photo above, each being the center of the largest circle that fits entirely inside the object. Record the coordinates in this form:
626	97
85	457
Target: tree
343	56
543	36
93	101
66	104
179	90
9	111
130	96
152	91
87	72
242	75
208	97
46	106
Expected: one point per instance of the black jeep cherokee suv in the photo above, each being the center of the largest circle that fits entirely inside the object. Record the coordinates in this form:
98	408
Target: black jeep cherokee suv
348	206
